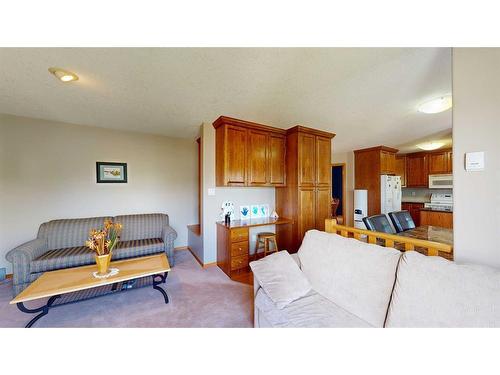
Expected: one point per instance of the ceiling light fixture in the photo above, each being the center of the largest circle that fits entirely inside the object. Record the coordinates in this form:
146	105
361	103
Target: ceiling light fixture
429	146
63	75
436	105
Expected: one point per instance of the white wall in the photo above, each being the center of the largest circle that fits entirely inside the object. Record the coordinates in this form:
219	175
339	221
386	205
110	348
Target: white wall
47	171
348	159
476	127
212	204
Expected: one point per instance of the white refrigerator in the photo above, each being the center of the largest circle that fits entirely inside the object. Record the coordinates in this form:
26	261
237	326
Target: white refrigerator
390	190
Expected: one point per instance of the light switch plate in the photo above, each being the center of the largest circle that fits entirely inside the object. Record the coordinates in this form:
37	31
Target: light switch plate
211	191
474	161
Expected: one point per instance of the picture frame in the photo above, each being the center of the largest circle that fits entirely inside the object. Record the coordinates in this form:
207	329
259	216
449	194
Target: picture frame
264	210
111	173
244	212
254	211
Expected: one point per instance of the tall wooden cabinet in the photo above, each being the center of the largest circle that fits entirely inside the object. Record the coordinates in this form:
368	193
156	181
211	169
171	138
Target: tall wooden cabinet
249	154
307	195
369	164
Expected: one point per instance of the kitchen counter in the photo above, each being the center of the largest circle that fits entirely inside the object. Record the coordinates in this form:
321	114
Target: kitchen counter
436	209
430	233
414	200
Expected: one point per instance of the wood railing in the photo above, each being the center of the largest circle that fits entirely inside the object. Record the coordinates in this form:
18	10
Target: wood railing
387	240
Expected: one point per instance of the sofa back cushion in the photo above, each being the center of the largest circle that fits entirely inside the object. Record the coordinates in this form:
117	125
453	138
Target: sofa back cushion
137	227
434	292
357	276
65	233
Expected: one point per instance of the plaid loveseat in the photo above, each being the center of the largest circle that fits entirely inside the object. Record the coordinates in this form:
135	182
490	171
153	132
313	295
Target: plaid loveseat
61	244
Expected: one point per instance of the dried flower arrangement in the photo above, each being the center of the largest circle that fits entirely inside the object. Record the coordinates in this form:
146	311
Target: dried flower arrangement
103	241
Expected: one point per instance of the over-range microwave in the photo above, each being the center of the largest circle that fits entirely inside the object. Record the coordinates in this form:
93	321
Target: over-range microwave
441	181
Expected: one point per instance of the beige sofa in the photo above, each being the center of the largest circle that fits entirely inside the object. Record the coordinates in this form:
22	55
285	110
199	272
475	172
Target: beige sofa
342	282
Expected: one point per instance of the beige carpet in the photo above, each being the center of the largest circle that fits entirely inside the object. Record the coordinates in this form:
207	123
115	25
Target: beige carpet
198	298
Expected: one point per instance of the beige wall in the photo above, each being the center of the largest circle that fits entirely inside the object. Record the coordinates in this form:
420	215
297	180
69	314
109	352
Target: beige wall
212	204
348	159
476	127
47	171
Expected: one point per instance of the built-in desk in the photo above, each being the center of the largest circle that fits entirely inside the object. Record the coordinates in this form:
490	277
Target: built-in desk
233	242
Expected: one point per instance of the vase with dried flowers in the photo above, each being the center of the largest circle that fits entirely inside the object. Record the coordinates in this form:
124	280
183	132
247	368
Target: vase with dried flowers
103	242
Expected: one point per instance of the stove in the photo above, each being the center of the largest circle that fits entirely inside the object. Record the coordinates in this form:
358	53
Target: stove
441	201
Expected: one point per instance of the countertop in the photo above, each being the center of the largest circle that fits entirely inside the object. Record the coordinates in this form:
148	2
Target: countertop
257	222
414	200
436	210
430	233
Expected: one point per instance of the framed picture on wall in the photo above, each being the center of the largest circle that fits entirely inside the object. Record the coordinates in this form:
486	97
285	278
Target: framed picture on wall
110	172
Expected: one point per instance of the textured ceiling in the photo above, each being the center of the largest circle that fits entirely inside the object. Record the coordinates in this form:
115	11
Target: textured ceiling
368	96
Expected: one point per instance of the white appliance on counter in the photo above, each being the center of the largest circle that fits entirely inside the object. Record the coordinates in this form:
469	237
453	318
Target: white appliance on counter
360	207
390	194
440	181
441	201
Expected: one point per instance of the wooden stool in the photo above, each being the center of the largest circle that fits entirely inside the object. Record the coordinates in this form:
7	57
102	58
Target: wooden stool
265	238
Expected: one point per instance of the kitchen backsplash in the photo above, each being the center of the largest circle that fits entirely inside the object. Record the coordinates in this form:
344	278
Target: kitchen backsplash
421	194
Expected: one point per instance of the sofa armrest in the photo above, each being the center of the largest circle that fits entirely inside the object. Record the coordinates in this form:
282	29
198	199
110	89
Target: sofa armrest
21	256
169	235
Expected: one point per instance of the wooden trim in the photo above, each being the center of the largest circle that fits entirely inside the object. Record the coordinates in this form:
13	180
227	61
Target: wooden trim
432	247
305	129
207	265
224	120
344	190
203	265
181	248
379	148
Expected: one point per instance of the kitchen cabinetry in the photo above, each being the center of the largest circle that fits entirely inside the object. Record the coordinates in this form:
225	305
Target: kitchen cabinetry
306	198
369	164
400	168
249	154
417	173
414	210
440	162
436	218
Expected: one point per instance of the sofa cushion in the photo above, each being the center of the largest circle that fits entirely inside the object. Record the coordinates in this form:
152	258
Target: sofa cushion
141	226
357	276
82	255
310	311
280	276
61	234
434	292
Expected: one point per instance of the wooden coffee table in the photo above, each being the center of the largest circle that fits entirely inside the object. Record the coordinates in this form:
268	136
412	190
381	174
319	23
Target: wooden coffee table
53	284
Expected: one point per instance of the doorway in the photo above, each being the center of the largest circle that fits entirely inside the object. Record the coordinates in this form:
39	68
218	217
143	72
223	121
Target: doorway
338	189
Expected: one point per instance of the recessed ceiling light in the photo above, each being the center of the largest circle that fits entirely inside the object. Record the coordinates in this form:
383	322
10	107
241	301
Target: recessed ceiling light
63	75
436	105
429	146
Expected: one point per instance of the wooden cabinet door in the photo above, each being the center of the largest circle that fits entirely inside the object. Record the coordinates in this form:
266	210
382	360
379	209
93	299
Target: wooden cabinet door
235	158
387	162
415	212
450	162
417	171
306	162
323	162
400	168
257	147
276	155
322	206
306	214
438	162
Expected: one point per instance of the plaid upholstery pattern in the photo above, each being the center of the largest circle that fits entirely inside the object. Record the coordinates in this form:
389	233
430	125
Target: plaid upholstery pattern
60	244
65	233
141	226
81	255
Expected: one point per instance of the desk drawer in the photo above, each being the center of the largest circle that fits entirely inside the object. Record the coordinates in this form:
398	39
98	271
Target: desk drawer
239	248
239	234
239	262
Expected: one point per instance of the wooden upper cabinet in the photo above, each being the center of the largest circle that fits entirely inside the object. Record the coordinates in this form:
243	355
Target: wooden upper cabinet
400	168
417	170
323	161
257	157
438	162
276	159
235	160
450	161
249	154
306	159
387	162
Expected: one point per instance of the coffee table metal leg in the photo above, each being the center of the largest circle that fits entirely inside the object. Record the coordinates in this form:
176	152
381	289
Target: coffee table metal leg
162	280
42	310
